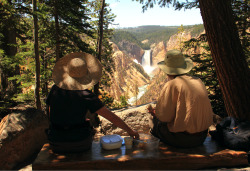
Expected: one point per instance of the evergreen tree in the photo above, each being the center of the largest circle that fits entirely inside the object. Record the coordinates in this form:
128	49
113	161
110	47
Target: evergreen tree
75	35
106	50
205	70
180	32
65	29
36	49
72	29
11	28
241	11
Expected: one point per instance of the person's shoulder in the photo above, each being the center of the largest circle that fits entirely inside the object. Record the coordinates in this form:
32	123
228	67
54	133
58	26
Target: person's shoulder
54	88
180	80
187	77
87	92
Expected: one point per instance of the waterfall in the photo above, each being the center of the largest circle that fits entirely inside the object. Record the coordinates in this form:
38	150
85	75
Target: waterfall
146	62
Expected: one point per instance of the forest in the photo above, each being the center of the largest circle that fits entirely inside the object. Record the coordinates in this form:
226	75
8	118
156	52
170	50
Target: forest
35	34
153	33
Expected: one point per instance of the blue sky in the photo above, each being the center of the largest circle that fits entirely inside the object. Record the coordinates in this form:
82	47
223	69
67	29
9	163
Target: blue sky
129	14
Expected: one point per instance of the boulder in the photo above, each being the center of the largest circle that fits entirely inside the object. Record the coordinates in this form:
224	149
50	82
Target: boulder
136	117
22	134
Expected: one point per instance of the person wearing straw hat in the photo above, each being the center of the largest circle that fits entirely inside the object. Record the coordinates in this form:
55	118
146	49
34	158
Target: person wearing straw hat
69	101
183	112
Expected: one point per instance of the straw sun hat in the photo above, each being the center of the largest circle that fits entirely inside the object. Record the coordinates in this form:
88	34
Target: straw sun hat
77	71
175	63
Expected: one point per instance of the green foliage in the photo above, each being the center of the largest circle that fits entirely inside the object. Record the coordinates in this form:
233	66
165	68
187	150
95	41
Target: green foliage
178	4
24	97
107	51
204	69
195	30
107	99
241	13
154	34
76	33
124	102
73	22
120	36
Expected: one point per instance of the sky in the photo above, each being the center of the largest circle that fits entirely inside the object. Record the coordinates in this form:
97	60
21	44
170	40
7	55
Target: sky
129	14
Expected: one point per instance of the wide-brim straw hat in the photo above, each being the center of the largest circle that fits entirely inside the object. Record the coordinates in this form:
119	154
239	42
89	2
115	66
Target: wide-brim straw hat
175	63
77	71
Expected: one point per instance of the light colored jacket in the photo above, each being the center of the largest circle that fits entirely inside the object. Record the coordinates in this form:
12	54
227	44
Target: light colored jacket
184	104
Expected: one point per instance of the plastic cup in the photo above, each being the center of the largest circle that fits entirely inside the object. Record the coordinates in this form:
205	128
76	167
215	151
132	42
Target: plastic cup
128	142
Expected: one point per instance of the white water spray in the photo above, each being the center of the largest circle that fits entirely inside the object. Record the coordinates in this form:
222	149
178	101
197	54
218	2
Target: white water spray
146	62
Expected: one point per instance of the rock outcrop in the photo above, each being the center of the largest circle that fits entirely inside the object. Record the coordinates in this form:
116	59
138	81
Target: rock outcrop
176	41
137	118
22	134
158	52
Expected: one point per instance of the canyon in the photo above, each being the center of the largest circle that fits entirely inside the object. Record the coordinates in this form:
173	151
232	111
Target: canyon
132	71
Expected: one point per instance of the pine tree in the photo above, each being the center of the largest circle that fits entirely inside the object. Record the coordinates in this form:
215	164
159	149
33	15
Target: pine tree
106	50
11	28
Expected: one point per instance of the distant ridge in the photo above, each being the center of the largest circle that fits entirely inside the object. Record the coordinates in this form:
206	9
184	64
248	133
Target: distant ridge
152	33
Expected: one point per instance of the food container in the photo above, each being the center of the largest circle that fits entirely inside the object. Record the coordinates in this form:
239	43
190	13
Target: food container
110	142
128	142
147	141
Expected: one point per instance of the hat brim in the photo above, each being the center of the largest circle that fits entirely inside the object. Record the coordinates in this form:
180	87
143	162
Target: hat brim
176	71
61	76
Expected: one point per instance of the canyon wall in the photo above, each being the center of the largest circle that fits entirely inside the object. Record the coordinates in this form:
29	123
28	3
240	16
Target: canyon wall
127	74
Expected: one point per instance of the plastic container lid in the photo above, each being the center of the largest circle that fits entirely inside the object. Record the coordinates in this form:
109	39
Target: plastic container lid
110	142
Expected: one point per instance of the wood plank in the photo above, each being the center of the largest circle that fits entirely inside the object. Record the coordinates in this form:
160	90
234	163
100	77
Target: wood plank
207	156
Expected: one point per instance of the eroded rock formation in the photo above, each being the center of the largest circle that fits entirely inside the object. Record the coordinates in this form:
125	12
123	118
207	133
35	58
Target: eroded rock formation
126	76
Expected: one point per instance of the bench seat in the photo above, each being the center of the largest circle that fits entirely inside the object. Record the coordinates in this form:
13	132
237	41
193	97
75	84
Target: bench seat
209	155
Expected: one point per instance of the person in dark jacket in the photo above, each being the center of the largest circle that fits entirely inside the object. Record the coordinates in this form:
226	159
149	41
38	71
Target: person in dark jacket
69	101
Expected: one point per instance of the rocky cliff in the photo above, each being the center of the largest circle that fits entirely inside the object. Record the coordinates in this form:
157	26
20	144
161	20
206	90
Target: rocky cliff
127	74
131	49
158	52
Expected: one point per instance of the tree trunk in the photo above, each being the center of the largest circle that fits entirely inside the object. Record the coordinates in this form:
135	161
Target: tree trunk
228	56
37	86
44	65
99	43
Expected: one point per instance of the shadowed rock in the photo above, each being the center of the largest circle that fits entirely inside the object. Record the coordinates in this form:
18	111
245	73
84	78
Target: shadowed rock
22	134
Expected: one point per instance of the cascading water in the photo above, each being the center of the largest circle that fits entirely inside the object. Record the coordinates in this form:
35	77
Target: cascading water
146	64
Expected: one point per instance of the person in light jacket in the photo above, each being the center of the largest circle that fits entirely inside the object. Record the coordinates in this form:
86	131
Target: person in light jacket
183	112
